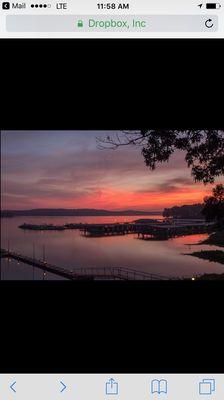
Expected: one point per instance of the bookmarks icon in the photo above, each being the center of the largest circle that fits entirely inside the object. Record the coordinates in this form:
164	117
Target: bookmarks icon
159	386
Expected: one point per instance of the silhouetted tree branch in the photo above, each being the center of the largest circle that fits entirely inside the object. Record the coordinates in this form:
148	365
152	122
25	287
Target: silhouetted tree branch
204	148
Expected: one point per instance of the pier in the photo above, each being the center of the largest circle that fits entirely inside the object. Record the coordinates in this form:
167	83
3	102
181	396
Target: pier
84	274
156	231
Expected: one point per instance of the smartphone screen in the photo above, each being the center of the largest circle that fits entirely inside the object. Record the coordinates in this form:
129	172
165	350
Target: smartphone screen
112	200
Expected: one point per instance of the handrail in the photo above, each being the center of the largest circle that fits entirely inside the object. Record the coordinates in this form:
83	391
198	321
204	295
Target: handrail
122	273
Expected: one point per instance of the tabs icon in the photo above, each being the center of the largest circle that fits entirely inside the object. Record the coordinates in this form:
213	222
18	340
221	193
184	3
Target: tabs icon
207	386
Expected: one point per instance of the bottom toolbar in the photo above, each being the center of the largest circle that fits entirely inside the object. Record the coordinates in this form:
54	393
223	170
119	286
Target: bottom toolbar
117	386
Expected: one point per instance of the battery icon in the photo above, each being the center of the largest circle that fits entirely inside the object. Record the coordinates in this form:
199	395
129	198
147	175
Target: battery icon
213	6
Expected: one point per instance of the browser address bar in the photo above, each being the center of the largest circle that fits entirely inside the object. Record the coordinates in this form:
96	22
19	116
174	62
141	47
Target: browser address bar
127	23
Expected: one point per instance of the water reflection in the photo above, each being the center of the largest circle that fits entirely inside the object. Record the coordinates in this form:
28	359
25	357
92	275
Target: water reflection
70	249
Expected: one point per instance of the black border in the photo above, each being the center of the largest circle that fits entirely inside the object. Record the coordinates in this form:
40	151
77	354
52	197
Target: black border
85	84
112	84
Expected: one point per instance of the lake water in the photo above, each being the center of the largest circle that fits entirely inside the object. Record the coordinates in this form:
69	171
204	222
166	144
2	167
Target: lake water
70	249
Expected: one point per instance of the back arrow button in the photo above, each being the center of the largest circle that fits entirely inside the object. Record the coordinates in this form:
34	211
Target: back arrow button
12	387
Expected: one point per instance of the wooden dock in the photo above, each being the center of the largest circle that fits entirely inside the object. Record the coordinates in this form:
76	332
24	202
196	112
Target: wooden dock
156	231
86	274
148	230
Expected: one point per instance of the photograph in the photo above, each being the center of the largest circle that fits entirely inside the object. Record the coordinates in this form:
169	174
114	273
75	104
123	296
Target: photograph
142	205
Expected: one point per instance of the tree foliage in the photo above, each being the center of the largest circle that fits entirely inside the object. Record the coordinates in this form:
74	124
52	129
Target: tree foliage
186	212
204	149
214	205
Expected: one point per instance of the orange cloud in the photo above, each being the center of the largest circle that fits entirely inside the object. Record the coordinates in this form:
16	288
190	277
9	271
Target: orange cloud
118	199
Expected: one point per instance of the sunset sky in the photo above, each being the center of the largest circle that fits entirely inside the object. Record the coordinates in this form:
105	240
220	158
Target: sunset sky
59	169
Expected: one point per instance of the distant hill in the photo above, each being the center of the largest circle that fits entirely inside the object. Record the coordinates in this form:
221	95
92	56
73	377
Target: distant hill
187	211
48	212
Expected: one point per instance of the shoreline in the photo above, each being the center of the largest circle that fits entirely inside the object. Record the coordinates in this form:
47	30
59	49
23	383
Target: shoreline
215	239
209	255
217	256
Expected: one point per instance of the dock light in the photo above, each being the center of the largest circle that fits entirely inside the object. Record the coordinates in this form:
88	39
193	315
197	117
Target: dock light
193	279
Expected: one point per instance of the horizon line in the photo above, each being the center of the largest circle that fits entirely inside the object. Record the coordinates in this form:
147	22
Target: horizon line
71	209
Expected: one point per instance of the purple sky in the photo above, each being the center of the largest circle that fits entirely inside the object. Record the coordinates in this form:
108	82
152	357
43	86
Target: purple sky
65	169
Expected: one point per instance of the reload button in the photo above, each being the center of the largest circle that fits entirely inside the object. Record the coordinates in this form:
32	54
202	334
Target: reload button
209	23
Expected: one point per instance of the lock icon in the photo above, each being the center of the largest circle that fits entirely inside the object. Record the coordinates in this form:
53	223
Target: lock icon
80	24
